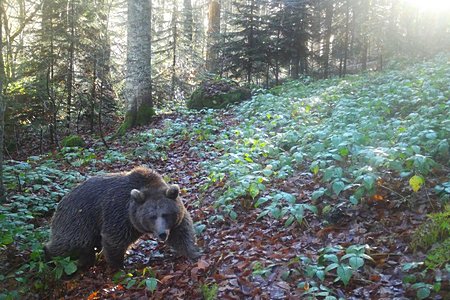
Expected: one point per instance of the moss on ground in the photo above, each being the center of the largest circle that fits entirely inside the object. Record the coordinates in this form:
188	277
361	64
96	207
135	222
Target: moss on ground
217	93
143	117
73	141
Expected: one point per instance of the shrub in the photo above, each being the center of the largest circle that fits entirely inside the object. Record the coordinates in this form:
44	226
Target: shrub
73	141
217	94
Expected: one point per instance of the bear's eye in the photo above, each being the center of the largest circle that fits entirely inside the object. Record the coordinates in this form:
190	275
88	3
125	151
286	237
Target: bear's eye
152	217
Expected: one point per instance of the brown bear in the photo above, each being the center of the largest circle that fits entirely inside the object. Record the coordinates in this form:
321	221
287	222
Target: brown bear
110	212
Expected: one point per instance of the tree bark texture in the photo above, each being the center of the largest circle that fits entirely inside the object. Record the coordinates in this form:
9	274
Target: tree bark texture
138	83
213	34
2	109
326	48
188	20
69	84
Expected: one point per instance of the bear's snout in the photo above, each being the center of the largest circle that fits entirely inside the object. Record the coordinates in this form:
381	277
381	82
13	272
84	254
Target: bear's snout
161	229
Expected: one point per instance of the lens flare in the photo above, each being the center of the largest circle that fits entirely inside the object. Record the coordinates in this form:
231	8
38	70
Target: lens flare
431	5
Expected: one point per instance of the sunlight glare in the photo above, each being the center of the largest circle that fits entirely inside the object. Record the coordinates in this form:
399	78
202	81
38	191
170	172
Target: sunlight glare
431	5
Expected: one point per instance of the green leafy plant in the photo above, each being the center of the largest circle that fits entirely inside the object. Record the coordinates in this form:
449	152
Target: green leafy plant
145	278
112	156
422	280
36	275
313	290
79	156
443	190
438	256
341	262
41	183
284	204
209	291
259	269
354	135
435	229
344	269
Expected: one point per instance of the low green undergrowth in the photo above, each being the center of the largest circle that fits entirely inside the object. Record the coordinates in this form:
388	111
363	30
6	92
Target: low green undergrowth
363	136
146	279
197	129
373	135
35	187
340	263
423	281
433	237
39	184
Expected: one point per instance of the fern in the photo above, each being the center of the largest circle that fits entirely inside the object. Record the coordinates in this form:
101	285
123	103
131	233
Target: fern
438	256
435	232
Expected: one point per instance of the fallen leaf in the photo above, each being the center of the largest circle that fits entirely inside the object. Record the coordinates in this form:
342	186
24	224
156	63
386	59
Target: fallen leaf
375	277
166	278
202	264
93	296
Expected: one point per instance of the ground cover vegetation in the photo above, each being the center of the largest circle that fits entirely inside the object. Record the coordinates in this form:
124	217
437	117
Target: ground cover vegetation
329	189
74	66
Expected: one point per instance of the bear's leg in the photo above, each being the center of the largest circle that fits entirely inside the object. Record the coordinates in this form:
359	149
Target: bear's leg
182	239
113	252
53	249
86	258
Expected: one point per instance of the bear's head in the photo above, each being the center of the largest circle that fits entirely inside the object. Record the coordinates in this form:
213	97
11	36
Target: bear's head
156	211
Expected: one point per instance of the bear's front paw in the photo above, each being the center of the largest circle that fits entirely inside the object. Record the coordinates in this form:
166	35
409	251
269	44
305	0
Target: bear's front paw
113	269
194	253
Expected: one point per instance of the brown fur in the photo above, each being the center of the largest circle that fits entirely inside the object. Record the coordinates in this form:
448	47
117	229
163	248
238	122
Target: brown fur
104	213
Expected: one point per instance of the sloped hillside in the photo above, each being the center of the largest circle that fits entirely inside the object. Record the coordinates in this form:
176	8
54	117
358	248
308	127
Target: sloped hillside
315	189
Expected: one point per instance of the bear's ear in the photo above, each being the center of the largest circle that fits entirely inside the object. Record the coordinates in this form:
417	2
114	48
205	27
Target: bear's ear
172	192
137	196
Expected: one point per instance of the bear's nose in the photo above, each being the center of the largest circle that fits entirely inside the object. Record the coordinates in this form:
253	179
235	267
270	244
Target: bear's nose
163	236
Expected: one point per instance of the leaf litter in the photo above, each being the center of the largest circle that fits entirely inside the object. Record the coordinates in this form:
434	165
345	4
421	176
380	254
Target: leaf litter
251	258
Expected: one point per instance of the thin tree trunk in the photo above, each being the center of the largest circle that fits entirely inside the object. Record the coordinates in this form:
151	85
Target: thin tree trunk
41	140
104	72
174	50
93	94
2	108
277	59
100	124
70	70
188	20
49	82
347	31
9	57
250	43
326	51
365	51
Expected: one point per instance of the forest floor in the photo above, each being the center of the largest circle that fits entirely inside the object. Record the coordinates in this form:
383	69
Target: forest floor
251	258
330	189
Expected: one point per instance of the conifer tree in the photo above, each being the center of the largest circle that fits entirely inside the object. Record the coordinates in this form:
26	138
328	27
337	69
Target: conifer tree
138	88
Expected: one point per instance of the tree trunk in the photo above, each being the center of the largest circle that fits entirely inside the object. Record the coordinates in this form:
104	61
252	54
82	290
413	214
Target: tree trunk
347	30
69	83
2	109
48	66
250	42
93	93
326	50
138	84
188	20
174	51
213	34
